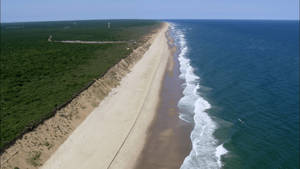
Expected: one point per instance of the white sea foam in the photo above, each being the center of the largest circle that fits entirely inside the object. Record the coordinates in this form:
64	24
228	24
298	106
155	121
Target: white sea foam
220	151
205	153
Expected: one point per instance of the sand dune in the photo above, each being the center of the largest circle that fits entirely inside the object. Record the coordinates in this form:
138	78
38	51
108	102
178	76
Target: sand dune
113	135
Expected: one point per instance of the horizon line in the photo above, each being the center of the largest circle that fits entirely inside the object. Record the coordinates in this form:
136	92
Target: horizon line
64	20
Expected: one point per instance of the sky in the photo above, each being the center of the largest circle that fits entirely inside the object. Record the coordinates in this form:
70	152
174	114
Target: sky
48	10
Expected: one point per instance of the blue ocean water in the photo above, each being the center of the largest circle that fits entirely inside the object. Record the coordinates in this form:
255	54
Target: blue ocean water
241	92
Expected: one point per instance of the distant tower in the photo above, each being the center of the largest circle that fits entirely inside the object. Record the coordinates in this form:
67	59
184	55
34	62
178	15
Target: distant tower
108	25
50	38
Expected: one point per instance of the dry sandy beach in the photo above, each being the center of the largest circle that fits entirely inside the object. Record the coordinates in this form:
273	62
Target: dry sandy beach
114	134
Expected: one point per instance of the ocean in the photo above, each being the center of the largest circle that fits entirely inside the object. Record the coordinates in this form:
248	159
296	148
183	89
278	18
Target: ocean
240	92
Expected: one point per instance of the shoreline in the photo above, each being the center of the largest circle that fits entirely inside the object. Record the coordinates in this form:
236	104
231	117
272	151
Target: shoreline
167	133
36	146
121	120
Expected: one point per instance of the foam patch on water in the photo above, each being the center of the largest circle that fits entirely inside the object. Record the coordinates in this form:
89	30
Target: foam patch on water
205	152
220	151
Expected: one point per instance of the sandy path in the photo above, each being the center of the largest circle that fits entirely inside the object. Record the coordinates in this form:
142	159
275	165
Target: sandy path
113	135
91	42
86	42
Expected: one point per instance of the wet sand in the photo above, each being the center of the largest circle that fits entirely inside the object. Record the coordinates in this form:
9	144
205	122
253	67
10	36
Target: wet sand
168	138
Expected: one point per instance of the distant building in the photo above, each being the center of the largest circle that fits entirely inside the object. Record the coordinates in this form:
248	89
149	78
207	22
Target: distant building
108	25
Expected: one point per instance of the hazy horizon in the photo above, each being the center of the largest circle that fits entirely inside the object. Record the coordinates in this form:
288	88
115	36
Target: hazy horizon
31	10
149	19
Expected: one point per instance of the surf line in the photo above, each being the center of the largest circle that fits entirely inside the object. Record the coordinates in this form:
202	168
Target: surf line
205	152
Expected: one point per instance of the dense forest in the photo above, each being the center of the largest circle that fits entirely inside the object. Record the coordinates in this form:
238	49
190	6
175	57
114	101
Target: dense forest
38	75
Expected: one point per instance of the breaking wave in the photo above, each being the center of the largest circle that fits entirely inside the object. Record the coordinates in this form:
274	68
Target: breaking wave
205	153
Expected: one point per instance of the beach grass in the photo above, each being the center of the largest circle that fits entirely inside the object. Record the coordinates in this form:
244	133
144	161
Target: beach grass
37	75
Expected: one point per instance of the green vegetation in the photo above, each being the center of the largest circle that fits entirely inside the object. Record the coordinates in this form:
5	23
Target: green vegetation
37	75
35	158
